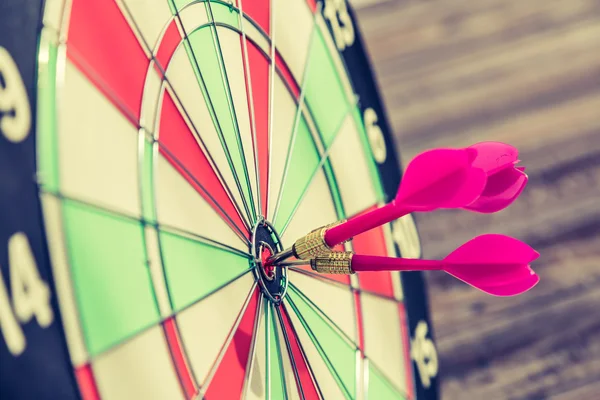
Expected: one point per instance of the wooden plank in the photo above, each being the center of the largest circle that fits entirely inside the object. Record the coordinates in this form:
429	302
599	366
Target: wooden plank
454	72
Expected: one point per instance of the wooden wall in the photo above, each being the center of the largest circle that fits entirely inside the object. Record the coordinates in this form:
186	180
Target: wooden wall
527	72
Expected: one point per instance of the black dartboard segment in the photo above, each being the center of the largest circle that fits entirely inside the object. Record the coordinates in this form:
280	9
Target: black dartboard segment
143	308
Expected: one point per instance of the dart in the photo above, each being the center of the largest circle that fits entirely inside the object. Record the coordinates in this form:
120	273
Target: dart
438	178
505	180
493	263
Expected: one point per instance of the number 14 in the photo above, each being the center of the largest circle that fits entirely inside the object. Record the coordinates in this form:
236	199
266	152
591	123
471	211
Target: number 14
30	295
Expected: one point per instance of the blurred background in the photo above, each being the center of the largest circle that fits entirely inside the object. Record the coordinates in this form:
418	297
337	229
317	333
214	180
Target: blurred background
525	72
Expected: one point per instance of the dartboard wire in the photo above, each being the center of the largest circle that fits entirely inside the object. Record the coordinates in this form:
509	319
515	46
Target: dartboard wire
222	181
343	74
159	226
278	349
331	281
271	94
257	325
165	280
162	320
323	159
365	376
289	351
201	239
76	338
320	348
298	115
155	287
324	315
152	56
302	352
232	111
318	276
248	76
332	324
213	369
58	22
191	176
268	351
95	79
182	108
204	149
129	115
144	223
212	112
64	21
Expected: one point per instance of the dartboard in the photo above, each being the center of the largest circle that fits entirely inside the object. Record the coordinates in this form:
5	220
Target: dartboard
151	151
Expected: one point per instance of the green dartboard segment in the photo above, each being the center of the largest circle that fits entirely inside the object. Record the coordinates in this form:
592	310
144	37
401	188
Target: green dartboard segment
379	388
207	66
338	354
112	283
303	160
195	269
324	92
46	123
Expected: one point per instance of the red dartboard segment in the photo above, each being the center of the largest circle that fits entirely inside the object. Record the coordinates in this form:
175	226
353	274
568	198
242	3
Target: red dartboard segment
228	381
86	383
259	11
287	75
179	147
405	337
104	47
186	379
168	44
372	243
258	79
304	378
312	4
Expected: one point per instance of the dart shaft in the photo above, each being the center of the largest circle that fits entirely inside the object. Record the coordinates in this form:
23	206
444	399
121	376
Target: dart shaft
293	263
362	223
345	262
277	258
378	263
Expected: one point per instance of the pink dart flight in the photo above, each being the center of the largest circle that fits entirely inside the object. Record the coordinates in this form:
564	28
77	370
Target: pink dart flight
495	264
505	180
438	178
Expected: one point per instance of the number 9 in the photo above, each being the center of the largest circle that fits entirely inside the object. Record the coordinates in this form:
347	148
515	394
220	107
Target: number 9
15	113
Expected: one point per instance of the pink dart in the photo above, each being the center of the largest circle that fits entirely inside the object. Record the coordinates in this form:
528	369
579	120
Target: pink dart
495	264
505	180
439	178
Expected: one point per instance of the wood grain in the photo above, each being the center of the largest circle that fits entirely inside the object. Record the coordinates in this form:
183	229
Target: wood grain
454	72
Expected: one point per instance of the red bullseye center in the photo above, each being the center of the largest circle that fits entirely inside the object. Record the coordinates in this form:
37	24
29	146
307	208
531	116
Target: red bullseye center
269	269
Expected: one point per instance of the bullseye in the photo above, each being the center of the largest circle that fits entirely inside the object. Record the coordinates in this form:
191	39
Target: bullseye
272	279
265	253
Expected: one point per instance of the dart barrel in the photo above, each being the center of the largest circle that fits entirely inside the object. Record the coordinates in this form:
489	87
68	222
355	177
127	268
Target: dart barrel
338	262
313	244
